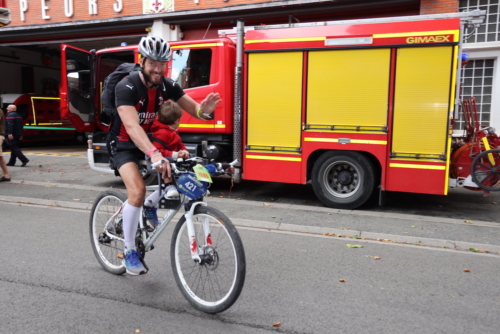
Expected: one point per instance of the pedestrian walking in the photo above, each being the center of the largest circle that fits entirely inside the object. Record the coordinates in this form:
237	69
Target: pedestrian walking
14	132
3	166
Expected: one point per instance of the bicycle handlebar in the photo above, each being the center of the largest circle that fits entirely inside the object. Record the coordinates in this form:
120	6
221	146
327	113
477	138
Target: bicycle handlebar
220	168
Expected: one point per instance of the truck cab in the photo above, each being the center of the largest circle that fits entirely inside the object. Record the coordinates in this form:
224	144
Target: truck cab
199	67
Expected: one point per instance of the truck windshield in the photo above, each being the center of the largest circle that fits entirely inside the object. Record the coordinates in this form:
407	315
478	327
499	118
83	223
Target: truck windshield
191	67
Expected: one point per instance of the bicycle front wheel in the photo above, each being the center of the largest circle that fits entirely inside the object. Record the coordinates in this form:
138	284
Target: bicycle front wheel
105	217
214	284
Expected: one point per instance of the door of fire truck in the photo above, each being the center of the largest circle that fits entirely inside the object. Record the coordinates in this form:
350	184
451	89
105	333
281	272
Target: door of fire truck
76	90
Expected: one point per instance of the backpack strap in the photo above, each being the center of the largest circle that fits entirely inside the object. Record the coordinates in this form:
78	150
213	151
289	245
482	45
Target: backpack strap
136	79
161	142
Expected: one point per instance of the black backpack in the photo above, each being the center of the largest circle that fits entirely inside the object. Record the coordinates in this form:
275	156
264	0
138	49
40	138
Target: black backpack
108	92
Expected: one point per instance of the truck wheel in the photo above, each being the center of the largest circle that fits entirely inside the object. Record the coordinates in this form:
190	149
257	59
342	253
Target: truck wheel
343	180
149	178
80	138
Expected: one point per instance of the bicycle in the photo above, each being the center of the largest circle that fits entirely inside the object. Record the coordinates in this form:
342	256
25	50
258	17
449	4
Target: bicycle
206	252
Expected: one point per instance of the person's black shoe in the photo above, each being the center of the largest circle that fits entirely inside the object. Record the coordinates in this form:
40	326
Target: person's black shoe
11	165
24	163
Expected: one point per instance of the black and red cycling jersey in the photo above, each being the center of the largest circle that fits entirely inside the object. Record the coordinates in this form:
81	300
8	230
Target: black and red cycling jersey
131	91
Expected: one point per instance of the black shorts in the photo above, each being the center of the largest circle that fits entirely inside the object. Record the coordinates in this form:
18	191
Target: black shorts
122	152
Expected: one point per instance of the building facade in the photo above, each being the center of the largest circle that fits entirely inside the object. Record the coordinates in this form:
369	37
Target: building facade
30	44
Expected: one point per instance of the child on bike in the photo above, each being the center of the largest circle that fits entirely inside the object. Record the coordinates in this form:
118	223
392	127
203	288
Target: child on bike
169	143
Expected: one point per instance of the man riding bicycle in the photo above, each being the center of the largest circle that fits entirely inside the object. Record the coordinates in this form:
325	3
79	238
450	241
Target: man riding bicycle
138	98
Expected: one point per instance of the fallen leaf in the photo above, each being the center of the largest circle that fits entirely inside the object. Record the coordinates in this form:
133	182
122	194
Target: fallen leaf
413	226
330	234
368	256
467	270
274	216
468	222
354	246
137	330
278	324
76	199
386	240
378	239
267	204
494	202
376	258
356	237
119	255
474	250
342	280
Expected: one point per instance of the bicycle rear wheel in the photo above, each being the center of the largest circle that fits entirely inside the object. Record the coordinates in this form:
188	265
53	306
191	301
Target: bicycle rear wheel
109	252
213	285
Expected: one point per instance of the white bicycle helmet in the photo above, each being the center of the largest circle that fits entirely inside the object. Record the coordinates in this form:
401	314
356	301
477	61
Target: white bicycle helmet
155	48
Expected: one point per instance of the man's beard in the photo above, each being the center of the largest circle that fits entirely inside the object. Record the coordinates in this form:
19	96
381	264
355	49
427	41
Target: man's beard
147	77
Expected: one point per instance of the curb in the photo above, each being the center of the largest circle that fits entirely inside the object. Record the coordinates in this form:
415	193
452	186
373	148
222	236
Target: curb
313	230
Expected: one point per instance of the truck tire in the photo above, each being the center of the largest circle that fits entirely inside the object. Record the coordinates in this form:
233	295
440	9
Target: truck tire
343	180
149	178
80	138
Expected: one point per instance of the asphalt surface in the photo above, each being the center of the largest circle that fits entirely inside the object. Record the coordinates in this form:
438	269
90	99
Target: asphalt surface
296	256
50	282
462	220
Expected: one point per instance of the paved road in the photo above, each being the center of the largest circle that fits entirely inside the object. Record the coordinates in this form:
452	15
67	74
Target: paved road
50	282
296	255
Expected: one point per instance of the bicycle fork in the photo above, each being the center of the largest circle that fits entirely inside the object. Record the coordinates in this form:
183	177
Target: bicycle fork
193	244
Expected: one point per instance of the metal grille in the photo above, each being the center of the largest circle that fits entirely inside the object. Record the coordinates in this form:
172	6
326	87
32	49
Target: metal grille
477	81
490	30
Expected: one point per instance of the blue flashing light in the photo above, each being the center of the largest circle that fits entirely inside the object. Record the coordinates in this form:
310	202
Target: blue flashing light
123	44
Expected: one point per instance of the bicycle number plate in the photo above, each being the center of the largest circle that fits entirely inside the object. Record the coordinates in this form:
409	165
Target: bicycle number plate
190	186
202	173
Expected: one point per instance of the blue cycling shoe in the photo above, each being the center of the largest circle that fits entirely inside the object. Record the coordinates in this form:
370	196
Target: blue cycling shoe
133	263
151	215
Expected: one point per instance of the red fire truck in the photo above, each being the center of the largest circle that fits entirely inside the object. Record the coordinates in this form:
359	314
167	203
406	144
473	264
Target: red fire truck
352	106
42	118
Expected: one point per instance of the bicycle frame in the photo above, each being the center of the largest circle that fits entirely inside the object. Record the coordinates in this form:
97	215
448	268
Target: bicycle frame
149	240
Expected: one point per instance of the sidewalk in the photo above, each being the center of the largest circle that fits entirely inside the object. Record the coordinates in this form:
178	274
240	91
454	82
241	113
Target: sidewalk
357	226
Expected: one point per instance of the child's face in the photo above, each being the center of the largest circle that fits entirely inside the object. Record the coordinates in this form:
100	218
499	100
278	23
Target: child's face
176	124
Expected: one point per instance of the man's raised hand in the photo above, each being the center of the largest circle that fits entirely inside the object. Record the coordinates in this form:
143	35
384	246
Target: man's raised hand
209	104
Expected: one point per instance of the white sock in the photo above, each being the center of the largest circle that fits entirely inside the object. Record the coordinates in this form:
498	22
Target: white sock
131	215
152	199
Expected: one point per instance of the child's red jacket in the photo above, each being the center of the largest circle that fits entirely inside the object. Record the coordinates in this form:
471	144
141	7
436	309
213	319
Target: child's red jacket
169	136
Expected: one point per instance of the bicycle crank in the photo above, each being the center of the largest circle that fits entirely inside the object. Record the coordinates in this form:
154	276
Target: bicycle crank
104	238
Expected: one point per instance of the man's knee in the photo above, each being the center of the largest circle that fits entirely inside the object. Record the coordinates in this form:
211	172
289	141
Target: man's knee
136	196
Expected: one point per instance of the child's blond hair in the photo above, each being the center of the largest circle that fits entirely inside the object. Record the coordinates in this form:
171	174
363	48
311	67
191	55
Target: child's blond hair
169	112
